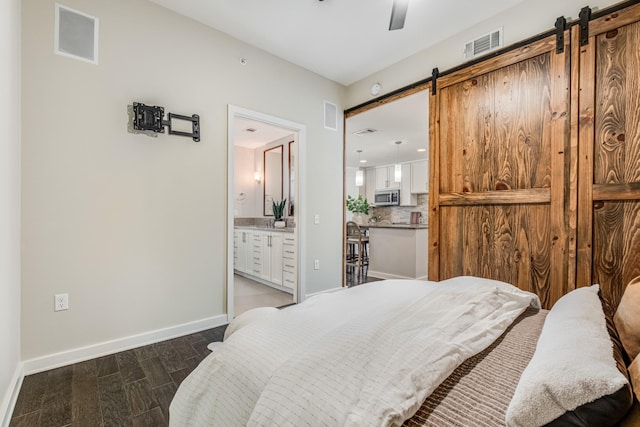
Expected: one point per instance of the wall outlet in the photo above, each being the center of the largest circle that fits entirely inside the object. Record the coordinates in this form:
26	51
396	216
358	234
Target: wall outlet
61	302
316	264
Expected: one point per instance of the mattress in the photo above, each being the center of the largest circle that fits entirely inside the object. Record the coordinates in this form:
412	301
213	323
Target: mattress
478	392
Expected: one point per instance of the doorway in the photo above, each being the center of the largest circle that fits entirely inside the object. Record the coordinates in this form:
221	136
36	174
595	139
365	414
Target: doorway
386	165
263	262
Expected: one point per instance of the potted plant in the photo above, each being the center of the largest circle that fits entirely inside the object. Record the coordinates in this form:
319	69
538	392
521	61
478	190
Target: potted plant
278	213
359	206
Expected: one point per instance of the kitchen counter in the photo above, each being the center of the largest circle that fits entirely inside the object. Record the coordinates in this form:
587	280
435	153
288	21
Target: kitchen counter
398	251
395	225
265	228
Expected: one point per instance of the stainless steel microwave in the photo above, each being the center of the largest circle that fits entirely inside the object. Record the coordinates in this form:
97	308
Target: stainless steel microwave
387	198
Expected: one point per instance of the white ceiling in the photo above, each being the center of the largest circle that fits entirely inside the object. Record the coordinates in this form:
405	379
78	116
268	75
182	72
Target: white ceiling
264	133
406	120
342	40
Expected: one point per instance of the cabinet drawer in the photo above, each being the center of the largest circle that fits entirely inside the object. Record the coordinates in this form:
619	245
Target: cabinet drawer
288	266
289	279
289	241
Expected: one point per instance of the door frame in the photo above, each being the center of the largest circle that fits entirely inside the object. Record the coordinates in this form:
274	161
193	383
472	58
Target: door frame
300	136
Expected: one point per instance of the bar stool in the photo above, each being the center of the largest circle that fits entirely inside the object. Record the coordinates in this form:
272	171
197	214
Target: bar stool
357	253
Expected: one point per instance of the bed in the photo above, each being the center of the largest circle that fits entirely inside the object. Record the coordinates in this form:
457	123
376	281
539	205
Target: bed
464	351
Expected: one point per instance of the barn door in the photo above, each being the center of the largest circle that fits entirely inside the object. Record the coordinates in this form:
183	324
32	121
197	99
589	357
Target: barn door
608	126
499	205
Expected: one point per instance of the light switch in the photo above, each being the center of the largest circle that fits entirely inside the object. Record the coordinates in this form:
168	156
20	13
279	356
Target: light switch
316	219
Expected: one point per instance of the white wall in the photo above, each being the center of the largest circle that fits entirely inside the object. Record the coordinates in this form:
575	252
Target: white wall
133	227
9	200
244	183
525	20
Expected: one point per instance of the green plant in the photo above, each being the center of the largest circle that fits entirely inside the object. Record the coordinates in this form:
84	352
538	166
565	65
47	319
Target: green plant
278	209
358	205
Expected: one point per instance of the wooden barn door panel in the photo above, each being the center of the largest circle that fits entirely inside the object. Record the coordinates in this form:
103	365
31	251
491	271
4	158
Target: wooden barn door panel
498	206
609	147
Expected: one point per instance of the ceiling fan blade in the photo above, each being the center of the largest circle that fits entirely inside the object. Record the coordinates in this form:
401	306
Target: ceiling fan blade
398	14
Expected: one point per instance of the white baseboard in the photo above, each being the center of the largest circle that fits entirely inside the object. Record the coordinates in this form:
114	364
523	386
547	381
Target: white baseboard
381	275
324	292
81	354
11	396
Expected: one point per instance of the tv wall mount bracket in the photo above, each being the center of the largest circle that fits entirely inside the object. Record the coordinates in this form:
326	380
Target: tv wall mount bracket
151	118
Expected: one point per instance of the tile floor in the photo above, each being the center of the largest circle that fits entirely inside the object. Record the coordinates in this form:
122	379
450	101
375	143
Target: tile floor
248	294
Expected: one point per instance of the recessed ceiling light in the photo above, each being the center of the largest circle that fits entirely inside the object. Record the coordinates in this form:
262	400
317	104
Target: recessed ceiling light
421	150
363	161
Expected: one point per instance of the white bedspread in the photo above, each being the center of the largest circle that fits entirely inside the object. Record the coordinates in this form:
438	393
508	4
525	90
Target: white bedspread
366	356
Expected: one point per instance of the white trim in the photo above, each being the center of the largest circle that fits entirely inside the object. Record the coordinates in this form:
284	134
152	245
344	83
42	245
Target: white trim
56	33
340	288
81	354
10	398
381	275
234	111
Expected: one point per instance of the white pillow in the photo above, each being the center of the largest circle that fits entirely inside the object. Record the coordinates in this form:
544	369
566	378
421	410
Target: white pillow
573	363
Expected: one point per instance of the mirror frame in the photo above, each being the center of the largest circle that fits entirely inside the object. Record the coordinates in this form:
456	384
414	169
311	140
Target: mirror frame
264	180
292	190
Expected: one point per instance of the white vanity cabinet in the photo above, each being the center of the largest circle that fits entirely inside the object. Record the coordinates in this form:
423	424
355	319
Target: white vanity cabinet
266	256
289	262
242	241
271	261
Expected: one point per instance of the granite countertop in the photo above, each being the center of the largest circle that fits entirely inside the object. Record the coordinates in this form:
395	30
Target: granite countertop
396	225
265	228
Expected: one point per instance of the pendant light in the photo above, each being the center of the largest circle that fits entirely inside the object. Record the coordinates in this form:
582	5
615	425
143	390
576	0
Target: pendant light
359	173
398	168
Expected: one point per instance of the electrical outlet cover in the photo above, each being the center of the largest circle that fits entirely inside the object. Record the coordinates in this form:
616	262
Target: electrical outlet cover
61	302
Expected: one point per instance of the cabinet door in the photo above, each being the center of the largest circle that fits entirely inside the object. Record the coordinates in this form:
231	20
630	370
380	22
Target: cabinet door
420	177
391	172
382	178
244	246
406	198
275	261
370	185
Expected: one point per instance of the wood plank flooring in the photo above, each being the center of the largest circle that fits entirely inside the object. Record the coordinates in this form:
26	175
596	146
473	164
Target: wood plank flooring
131	388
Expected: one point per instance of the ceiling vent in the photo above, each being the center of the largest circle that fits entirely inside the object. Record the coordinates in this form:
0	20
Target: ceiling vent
366	131
251	130
483	44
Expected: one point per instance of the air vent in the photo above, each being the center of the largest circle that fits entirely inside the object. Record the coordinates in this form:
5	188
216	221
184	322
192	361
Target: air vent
366	131
76	34
330	115
483	44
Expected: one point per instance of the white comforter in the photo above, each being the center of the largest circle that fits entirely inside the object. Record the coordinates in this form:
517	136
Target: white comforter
365	356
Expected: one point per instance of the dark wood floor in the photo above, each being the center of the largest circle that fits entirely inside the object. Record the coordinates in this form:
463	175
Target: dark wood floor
131	388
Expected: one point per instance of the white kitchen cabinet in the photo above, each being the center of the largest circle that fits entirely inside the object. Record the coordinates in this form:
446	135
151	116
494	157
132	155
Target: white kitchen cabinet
385	178
420	177
370	185
407	198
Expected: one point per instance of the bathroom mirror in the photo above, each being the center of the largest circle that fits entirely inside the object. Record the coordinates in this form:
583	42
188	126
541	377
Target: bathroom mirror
292	177
272	178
